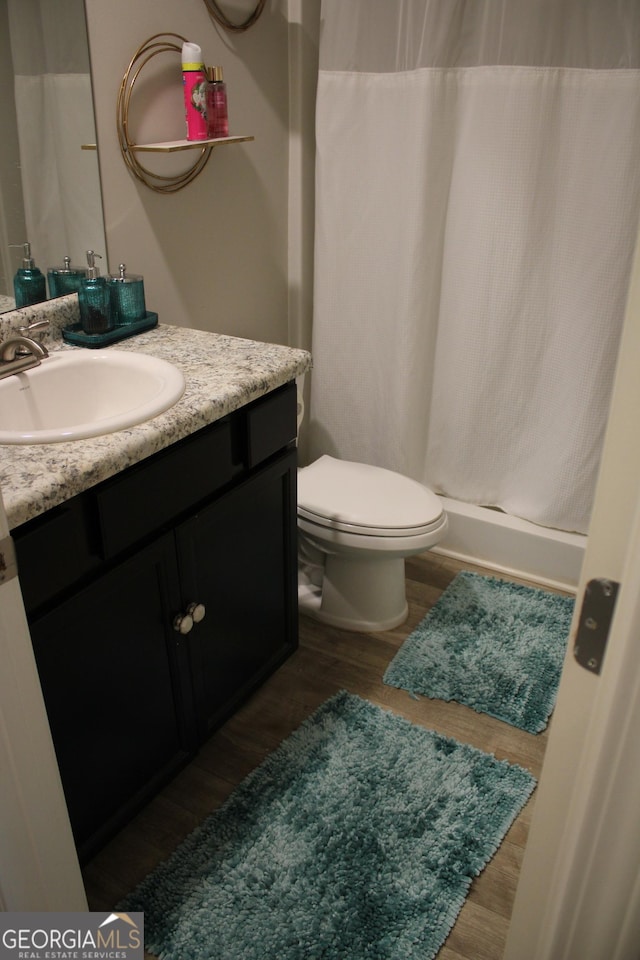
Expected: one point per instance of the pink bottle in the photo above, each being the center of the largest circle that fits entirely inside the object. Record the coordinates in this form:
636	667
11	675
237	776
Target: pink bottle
195	91
217	111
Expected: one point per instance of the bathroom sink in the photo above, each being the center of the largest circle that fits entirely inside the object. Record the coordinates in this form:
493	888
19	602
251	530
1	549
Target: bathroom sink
73	395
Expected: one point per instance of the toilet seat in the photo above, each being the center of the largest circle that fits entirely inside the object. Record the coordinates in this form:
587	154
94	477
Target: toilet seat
369	501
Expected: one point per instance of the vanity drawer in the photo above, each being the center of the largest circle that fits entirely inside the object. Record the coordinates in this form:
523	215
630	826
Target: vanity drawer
155	492
55	550
271	423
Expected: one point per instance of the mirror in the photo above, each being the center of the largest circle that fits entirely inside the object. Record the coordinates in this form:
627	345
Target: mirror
49	186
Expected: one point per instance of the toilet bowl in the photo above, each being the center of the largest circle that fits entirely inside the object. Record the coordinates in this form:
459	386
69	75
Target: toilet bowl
356	525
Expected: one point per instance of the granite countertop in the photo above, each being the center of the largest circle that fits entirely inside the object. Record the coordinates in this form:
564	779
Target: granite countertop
222	373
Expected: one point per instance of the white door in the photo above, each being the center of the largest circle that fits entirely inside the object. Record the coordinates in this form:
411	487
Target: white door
38	864
579	890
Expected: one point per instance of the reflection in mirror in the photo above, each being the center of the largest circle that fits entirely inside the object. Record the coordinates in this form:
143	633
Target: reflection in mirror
49	186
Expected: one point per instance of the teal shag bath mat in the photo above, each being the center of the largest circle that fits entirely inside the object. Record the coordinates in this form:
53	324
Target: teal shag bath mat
357	838
493	645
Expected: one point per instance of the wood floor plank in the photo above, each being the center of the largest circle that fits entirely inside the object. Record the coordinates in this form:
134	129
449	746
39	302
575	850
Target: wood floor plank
327	661
479	934
495	890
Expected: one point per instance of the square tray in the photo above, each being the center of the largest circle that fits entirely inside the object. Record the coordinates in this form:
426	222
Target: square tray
76	335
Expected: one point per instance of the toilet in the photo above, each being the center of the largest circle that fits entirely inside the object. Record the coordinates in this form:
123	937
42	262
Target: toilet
356	525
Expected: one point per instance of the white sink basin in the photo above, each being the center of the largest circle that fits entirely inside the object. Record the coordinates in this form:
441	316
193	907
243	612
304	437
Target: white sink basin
77	394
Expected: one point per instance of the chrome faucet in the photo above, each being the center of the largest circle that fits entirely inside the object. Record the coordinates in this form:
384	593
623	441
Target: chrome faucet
19	353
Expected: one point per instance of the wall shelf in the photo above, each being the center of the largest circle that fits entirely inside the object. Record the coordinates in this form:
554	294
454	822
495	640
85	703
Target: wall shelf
173	146
160	43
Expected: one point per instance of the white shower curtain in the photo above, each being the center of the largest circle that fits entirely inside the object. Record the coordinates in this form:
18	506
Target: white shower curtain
477	198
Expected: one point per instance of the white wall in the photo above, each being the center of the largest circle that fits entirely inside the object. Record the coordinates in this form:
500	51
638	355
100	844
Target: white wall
215	254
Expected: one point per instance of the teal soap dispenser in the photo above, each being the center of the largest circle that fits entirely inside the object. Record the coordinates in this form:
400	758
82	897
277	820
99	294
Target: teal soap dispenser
29	284
94	299
127	297
64	280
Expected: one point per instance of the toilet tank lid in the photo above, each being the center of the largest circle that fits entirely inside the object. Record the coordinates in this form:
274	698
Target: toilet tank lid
364	495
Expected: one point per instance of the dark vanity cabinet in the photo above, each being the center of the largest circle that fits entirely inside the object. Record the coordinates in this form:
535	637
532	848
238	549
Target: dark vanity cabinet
246	583
115	683
157	601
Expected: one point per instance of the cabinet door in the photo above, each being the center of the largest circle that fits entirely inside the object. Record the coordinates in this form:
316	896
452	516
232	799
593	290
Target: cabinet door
113	675
238	557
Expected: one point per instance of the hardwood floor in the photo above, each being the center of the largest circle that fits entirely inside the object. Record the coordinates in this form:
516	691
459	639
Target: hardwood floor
329	660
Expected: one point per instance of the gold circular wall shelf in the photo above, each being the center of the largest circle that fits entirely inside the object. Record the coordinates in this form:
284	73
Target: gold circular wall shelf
159	43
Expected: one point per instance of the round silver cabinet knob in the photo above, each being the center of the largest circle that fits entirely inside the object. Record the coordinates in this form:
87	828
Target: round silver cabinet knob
183	623
196	611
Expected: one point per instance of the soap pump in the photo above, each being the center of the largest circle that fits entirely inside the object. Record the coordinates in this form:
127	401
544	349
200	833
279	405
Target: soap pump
29	284
94	299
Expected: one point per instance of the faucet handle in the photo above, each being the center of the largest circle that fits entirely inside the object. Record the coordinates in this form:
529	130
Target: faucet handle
28	328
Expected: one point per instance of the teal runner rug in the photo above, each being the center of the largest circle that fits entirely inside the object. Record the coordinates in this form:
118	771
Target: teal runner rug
357	838
493	645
